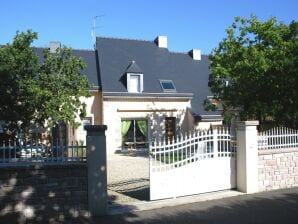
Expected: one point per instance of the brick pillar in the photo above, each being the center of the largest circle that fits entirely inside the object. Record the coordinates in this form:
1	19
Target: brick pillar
97	169
247	156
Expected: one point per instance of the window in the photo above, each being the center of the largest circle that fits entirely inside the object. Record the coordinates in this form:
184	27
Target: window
167	85
135	83
134	133
170	126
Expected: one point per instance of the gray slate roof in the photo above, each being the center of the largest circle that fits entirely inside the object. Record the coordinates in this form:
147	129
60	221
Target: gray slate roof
188	75
113	58
90	57
133	68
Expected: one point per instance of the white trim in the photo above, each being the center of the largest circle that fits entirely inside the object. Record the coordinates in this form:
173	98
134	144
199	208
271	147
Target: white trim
150	95
140	82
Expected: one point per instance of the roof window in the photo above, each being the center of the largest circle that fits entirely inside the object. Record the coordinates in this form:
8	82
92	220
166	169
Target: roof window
167	85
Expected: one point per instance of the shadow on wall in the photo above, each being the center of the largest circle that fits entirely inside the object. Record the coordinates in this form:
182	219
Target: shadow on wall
44	193
157	123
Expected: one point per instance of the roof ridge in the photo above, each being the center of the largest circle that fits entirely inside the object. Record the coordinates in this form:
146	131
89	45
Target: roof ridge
178	52
150	41
184	53
76	49
123	38
91	50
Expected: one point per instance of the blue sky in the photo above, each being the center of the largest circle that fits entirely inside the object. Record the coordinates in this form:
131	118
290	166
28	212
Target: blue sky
187	23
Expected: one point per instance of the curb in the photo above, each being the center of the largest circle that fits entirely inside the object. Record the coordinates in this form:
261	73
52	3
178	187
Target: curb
122	208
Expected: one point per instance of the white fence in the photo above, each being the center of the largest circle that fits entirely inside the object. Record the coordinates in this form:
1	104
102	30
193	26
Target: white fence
12	152
278	137
196	163
192	147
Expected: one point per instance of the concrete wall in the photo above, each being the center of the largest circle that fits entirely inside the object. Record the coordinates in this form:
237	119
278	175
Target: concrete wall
278	169
43	192
154	111
206	125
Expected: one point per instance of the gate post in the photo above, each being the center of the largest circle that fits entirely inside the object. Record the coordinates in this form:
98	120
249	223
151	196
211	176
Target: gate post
97	169
247	156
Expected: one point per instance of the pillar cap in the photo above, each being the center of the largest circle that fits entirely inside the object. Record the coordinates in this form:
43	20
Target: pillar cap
246	123
96	128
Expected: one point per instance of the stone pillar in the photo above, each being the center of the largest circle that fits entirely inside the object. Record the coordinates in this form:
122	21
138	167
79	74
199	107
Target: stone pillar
97	169
247	156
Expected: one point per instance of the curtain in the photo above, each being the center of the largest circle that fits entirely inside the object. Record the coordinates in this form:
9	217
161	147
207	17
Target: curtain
143	127
125	125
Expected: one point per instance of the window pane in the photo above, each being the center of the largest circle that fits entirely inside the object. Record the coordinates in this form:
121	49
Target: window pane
128	136
137	133
135	83
167	85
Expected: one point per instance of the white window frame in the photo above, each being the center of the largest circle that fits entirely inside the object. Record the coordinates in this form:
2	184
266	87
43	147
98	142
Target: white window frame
129	87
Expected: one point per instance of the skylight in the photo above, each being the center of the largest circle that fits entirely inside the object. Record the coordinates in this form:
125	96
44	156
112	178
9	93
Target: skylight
167	85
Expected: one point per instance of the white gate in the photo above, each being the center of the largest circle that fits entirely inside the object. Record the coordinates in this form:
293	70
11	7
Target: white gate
198	163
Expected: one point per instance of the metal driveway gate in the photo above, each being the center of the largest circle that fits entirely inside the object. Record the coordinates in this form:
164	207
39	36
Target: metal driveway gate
198	163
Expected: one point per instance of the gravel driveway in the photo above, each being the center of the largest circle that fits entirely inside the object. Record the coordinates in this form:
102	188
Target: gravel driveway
128	177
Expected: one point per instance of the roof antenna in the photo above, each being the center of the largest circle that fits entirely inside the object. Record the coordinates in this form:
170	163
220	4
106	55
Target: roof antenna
93	31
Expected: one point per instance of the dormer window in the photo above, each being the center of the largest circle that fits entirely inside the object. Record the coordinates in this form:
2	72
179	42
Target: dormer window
134	78
167	85
134	83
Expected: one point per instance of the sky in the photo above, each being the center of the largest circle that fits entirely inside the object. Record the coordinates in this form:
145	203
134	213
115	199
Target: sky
188	24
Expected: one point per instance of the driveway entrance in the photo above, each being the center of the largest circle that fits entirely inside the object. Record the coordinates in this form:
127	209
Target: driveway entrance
128	177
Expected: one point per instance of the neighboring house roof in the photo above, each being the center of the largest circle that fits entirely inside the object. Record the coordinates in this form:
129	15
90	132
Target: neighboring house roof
189	76
90	58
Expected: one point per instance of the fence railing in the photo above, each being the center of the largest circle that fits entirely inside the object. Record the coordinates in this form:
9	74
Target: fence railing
13	152
278	137
192	147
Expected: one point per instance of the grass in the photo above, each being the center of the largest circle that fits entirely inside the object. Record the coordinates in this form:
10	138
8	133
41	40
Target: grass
170	158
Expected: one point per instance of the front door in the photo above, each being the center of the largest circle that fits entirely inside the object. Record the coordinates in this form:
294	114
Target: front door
170	126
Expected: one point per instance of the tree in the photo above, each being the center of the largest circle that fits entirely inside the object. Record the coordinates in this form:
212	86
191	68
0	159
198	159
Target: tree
18	62
254	71
40	91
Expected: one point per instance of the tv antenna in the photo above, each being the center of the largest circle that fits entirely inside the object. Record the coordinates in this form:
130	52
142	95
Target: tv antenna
94	27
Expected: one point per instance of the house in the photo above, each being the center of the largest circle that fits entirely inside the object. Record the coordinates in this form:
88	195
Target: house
142	91
148	92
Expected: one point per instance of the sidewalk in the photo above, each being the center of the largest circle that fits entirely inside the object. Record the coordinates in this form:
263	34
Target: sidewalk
279	206
136	206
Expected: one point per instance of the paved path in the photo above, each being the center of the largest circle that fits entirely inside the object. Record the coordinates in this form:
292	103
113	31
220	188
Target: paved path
128	177
269	207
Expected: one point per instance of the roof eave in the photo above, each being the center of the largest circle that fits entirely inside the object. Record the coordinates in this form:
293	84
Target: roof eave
208	118
187	96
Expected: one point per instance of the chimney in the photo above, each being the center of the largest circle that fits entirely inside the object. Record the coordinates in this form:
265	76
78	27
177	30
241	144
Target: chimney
195	54
54	45
162	41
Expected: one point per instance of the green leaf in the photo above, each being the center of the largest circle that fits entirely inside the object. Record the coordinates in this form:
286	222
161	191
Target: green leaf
260	61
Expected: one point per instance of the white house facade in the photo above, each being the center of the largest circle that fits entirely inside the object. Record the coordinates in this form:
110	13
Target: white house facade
135	121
